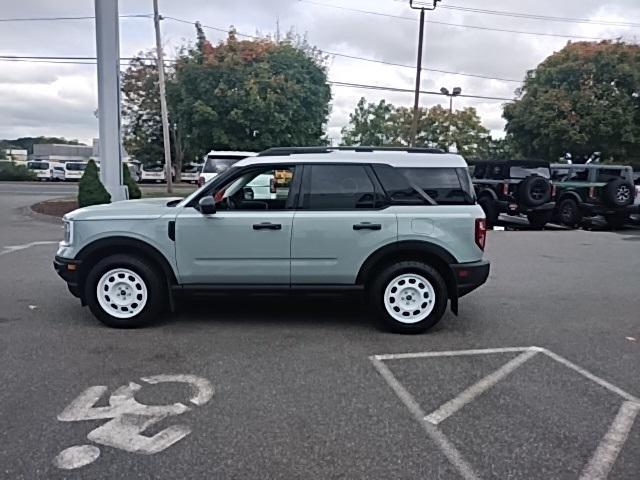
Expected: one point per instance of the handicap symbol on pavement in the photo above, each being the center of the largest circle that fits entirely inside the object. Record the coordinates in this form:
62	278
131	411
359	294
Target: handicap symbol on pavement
128	419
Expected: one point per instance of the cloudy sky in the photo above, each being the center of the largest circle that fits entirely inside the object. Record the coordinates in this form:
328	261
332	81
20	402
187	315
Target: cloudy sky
60	99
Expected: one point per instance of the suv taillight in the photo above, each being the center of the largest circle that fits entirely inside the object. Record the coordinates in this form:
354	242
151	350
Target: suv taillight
481	232
553	192
592	192
505	189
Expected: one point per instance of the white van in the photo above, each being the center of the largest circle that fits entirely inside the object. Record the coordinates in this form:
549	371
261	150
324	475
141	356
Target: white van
42	169
217	162
153	173
73	171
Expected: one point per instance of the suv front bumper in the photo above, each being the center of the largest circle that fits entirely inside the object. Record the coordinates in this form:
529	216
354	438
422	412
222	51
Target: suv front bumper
67	269
470	276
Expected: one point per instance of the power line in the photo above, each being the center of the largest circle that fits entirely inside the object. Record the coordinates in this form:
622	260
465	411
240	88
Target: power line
459	25
546	18
49	19
411	90
364	59
92	61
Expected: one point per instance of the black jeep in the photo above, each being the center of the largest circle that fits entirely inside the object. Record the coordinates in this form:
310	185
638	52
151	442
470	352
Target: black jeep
521	187
594	189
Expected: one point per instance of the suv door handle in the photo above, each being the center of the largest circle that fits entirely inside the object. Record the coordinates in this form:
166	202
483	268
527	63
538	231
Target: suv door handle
267	226
367	226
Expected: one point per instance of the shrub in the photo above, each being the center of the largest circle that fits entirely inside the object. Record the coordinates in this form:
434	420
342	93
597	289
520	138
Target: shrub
10	171
132	186
91	191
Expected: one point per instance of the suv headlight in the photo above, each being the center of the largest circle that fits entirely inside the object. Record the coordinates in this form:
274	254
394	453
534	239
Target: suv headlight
68	232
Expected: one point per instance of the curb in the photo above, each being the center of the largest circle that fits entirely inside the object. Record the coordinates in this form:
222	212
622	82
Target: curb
41	217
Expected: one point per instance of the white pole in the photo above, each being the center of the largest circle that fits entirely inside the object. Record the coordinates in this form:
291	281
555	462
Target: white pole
163	99
108	52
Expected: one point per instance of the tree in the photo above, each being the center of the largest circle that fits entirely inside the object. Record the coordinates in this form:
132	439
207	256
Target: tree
582	99
27	143
369	124
384	124
134	189
90	189
251	95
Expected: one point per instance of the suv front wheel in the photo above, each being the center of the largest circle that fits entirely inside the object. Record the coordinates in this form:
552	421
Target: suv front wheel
409	297
123	291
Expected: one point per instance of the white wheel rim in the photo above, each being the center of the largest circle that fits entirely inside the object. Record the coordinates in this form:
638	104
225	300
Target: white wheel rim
409	298
122	293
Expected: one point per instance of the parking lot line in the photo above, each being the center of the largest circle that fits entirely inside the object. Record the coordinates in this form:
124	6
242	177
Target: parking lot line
453	353
447	448
474	391
591	376
607	452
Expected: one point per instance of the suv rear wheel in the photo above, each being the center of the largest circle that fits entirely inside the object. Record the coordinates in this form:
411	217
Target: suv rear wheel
123	291
409	297
569	212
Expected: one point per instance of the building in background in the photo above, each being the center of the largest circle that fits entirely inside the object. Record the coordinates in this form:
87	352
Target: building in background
61	153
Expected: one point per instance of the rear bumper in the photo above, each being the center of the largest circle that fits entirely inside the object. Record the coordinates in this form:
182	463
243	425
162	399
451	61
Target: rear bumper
470	276
513	208
67	269
594	209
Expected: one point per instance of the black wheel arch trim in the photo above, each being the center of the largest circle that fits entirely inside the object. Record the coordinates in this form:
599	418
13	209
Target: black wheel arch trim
121	242
487	192
444	260
571	195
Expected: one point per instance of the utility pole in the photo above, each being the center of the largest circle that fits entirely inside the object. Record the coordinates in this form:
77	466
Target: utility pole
108	54
422	6
163	99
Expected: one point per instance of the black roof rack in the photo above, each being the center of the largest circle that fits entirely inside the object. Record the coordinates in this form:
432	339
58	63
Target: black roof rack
282	151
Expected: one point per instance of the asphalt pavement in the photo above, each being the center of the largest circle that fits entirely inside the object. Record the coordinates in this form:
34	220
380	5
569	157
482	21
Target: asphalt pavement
307	387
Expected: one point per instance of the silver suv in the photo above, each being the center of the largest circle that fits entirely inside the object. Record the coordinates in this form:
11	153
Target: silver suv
400	225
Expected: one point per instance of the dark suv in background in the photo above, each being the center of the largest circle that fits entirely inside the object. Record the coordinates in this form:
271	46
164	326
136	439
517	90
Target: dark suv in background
594	189
515	188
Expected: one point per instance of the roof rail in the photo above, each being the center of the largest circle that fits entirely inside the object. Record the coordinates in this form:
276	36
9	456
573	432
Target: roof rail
283	151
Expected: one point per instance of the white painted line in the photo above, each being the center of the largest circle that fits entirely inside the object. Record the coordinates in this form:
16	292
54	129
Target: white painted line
607	452
203	390
591	376
76	457
447	448
453	353
17	248
474	391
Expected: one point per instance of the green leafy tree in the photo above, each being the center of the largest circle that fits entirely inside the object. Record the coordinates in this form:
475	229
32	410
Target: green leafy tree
132	186
251	95
384	124
90	190
582	99
27	143
369	124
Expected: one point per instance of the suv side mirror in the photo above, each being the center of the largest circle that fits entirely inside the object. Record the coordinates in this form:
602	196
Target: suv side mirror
207	205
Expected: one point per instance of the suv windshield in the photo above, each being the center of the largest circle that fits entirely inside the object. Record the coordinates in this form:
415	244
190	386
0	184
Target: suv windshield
220	163
524	172
38	165
76	167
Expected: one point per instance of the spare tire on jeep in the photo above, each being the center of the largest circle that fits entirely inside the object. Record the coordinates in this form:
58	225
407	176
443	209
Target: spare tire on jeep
534	191
618	193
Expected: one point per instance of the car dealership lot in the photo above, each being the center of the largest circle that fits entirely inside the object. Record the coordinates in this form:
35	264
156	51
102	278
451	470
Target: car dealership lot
295	393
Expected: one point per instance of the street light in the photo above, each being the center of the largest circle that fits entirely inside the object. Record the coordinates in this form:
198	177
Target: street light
456	91
421	5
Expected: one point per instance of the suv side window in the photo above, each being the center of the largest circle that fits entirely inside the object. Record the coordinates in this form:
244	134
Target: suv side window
338	187
606	174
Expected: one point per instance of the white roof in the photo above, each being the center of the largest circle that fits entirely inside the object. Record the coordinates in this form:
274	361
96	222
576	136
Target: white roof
396	159
232	153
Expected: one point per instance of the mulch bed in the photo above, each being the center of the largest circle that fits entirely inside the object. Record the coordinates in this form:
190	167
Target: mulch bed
56	208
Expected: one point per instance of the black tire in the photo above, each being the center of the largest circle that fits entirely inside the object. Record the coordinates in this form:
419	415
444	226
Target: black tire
615	221
619	193
569	212
154	282
490	211
538	220
534	191
379	284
